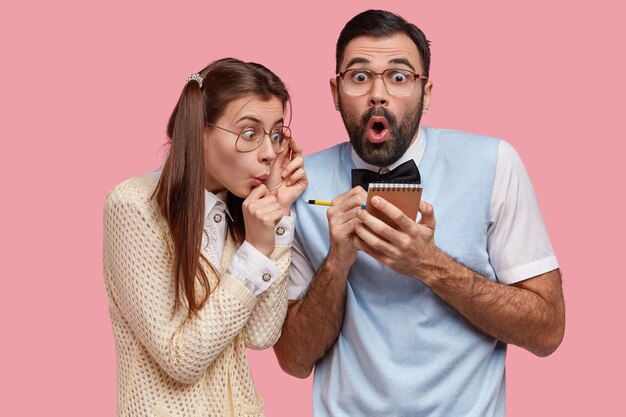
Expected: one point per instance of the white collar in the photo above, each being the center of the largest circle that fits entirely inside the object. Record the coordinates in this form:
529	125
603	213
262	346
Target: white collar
414	152
215	200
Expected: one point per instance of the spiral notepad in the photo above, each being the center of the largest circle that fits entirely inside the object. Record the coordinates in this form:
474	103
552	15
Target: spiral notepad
402	195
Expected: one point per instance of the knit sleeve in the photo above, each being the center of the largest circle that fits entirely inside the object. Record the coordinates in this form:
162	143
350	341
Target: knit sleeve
139	276
266	321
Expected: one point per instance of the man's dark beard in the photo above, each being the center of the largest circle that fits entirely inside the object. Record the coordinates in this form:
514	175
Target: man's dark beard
400	135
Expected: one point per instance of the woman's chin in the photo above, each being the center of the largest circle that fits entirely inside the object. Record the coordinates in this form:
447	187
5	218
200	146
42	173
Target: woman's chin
241	192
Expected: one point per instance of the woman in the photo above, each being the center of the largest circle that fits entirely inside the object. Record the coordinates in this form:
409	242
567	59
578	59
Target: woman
196	256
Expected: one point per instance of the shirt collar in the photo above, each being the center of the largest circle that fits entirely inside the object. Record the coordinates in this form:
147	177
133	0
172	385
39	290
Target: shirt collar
215	201
414	152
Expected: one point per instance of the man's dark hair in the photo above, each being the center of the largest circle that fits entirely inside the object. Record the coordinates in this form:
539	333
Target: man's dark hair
382	24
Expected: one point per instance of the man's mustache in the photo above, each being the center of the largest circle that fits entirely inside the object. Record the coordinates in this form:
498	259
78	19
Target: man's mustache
379	112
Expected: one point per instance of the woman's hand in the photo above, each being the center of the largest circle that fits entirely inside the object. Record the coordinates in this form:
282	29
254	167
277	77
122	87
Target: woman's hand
287	176
261	212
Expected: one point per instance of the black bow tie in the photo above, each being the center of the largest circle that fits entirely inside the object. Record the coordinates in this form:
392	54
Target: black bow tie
406	172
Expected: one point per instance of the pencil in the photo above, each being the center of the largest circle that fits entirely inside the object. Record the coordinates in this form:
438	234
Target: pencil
320	202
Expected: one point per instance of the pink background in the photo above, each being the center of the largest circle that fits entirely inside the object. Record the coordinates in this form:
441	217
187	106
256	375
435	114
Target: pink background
86	90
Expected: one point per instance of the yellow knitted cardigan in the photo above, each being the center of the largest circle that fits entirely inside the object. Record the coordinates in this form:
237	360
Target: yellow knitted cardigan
167	366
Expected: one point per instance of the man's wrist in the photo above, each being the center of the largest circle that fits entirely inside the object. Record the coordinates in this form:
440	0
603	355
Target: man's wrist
336	262
433	267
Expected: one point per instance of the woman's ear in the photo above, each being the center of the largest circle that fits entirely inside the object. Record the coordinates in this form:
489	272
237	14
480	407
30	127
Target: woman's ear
206	133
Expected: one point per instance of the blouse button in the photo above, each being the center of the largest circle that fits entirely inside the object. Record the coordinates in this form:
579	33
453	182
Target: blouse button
280	231
217	218
267	276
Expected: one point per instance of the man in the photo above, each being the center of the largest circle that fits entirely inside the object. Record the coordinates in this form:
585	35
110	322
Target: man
414	320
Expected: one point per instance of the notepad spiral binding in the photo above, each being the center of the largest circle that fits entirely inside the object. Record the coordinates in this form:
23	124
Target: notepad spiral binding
393	186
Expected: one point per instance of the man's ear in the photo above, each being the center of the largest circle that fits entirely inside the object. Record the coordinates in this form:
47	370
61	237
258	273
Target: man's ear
428	89
334	91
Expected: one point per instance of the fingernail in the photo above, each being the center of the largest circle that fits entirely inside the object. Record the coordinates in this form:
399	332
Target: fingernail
375	201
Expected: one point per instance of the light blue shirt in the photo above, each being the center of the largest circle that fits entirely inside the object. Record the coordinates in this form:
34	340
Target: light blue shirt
401	350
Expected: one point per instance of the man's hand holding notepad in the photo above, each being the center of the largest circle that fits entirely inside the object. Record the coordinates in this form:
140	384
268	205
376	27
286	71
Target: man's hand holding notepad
402	195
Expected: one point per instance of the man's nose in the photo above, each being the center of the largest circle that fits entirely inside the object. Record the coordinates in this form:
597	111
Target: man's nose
378	94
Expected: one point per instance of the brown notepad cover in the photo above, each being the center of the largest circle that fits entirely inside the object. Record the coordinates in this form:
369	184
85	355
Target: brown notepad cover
404	196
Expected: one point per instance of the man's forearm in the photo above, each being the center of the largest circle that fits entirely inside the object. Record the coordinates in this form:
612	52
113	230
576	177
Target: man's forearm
529	314
313	323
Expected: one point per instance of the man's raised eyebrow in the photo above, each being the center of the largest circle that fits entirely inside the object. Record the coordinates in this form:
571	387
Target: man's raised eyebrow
403	61
357	60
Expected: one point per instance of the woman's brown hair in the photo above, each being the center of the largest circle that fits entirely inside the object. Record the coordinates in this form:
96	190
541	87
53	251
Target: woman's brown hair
180	191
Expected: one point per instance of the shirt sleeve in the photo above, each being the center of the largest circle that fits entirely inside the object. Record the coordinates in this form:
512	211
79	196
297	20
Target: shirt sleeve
255	270
301	272
266	321
518	243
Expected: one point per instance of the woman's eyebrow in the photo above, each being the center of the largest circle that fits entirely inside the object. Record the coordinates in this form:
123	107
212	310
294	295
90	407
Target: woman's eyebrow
258	121
251	118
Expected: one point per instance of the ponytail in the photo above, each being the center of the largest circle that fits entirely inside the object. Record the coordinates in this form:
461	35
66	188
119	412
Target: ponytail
180	195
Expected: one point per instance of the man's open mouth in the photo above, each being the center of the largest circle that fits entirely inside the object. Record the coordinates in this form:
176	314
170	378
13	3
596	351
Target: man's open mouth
377	129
